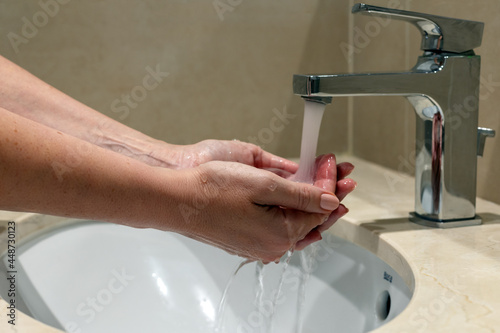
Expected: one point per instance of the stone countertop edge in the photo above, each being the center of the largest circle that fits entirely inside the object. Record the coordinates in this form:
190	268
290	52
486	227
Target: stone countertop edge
453	273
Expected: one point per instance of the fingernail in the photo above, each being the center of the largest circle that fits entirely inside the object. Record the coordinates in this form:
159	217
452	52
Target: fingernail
328	202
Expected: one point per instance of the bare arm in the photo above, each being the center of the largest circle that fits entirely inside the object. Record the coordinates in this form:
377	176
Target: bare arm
30	97
47	171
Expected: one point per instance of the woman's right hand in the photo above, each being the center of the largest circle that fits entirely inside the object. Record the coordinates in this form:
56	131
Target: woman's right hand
251	212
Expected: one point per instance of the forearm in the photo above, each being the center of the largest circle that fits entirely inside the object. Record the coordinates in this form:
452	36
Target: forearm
43	170
28	96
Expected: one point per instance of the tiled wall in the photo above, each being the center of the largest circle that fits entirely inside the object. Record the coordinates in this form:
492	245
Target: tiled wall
384	126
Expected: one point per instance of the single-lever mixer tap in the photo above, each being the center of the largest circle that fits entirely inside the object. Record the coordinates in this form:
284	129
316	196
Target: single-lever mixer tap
443	88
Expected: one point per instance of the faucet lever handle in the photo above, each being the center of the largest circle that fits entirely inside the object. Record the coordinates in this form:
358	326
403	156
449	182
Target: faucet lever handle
439	34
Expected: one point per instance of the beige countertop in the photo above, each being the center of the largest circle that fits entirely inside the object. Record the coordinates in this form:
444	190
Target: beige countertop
454	273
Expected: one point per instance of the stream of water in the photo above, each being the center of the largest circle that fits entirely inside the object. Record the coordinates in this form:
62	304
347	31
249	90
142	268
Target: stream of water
313	114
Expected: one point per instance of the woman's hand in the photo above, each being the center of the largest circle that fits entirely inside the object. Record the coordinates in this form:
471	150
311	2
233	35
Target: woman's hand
252	212
189	156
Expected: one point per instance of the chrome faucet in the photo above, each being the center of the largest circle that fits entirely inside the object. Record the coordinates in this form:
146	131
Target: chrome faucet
443	88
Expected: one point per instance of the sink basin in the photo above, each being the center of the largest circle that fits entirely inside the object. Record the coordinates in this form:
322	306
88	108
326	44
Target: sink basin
90	276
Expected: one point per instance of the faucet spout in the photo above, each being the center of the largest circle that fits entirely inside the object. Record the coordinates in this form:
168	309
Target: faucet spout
426	78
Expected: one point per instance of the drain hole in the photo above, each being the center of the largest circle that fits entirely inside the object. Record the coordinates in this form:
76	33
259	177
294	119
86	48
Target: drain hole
383	305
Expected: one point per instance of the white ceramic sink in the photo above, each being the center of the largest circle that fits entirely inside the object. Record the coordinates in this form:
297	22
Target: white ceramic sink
100	277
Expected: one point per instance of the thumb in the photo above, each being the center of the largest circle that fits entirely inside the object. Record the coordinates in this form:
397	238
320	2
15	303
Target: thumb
299	196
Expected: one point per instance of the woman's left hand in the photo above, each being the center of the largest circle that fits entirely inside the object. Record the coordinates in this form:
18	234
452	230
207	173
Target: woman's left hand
190	156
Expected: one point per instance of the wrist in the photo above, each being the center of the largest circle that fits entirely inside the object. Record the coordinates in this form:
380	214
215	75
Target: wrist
166	200
136	145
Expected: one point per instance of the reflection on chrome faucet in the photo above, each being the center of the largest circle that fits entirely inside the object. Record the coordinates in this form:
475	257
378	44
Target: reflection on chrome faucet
443	88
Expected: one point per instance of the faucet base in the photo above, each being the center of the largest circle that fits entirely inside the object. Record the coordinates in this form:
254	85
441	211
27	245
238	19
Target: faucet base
415	218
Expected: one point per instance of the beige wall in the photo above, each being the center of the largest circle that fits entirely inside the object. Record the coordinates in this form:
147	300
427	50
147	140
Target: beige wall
383	127
230	72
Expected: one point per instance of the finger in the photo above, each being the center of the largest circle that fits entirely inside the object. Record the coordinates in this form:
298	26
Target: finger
298	196
344	187
313	236
326	172
280	172
264	159
344	169
334	217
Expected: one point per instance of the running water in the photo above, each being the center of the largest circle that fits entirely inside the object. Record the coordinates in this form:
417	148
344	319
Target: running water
259	287
223	301
313	113
278	293
307	260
